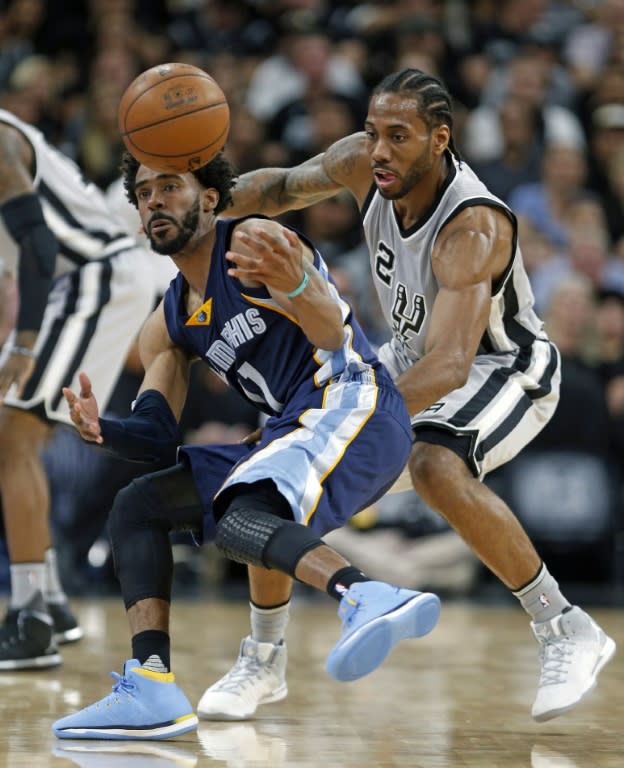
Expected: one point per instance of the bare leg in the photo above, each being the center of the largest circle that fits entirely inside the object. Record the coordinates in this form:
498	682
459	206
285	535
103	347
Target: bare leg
481	518
268	588
318	565
24	485
151	613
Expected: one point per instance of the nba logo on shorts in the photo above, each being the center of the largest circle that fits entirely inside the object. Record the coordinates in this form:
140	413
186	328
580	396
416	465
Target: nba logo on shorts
545	602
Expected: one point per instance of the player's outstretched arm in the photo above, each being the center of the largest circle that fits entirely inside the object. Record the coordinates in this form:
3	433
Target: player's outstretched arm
150	433
271	191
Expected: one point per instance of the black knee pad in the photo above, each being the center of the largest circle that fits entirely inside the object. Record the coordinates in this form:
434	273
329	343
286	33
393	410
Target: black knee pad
256	537
242	534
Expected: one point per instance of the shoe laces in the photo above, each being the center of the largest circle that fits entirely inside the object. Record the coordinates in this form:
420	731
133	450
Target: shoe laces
241	675
556	657
122	683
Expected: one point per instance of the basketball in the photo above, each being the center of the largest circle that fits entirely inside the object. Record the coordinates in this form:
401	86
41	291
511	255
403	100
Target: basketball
174	118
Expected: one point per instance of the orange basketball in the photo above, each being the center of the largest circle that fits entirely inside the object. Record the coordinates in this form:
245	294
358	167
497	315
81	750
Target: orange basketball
174	118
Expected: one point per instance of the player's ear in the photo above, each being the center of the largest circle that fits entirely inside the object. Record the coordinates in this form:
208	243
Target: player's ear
441	138
210	199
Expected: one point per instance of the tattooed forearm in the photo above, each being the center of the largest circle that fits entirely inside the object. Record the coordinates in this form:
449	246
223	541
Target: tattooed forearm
272	191
258	192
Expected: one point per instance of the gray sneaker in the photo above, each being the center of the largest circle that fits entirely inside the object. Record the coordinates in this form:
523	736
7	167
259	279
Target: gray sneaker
573	650
257	677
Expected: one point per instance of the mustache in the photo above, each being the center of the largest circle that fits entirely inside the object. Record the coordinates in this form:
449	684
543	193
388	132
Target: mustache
159	217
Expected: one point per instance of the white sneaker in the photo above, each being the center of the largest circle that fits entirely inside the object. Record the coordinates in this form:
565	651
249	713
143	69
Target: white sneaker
573	651
257	677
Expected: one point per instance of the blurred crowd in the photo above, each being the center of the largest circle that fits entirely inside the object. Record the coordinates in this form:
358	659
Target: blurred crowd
538	89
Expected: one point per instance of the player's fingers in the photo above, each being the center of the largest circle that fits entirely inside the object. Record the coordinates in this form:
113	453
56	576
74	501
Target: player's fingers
243	261
274	242
85	385
291	237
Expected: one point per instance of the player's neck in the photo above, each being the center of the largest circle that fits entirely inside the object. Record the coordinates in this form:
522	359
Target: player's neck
194	261
420	199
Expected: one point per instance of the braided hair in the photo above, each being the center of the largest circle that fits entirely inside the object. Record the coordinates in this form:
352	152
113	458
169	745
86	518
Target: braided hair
432	96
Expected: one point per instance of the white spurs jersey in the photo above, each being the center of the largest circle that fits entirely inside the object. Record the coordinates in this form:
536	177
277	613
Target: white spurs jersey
75	209
407	287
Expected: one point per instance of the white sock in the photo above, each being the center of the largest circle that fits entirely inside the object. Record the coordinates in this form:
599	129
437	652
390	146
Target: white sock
541	598
26	579
54	592
268	625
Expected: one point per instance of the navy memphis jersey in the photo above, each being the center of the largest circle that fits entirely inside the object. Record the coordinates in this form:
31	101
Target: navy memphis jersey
252	343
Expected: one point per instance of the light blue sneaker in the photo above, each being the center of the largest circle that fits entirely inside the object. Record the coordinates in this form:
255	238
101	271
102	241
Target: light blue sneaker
375	617
143	705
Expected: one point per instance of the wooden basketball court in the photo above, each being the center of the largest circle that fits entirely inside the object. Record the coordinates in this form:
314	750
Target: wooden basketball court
459	698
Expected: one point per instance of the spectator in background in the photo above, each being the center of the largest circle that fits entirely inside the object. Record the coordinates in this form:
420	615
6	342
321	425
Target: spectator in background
587	253
569	320
606	163
545	203
610	340
309	124
526	79
563	485
519	163
100	145
219	26
21	21
306	63
590	45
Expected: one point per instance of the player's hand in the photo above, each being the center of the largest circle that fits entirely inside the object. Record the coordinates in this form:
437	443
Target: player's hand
84	412
15	372
273	258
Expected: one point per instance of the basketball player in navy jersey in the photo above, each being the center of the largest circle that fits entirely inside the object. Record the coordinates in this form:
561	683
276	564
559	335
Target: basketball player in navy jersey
252	299
85	289
479	376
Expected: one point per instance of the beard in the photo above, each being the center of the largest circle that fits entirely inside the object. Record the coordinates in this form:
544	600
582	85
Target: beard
414	176
186	229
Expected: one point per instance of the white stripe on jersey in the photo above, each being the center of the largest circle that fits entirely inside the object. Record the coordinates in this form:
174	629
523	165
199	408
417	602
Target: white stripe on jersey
325	434
74	330
75	209
491	417
75	238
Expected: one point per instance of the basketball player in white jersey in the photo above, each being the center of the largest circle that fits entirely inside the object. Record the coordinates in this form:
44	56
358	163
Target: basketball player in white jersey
470	356
85	289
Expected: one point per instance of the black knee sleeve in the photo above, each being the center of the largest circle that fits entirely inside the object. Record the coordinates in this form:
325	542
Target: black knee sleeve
141	519
254	536
142	554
